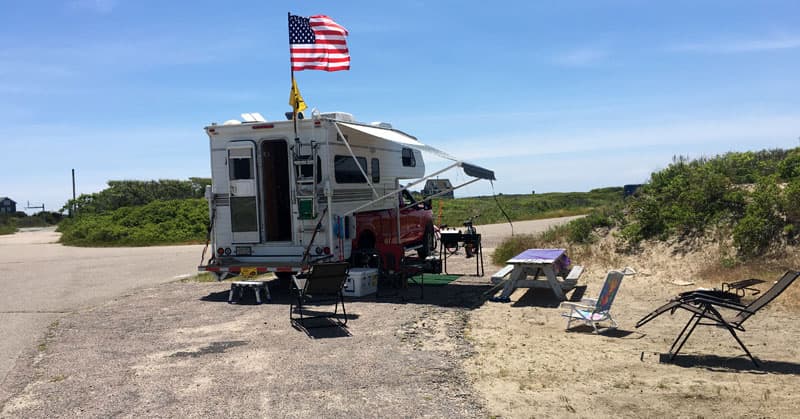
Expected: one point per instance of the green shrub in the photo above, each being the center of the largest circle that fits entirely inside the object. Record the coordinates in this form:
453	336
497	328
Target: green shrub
8	224
159	222
762	223
693	197
789	168
580	230
127	193
791	201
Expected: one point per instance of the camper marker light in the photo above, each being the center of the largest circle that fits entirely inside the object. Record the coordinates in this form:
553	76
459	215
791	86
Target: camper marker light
263	126
220	251
227	251
327	250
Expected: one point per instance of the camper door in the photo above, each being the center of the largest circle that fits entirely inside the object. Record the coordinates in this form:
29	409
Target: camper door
244	205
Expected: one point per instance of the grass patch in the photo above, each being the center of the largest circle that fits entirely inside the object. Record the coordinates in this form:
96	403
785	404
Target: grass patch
201	277
205	277
437	279
523	207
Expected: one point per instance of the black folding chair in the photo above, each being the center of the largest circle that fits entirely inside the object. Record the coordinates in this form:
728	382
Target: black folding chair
321	285
707	310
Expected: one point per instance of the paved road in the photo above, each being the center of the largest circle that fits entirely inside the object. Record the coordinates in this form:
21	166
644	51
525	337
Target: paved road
41	280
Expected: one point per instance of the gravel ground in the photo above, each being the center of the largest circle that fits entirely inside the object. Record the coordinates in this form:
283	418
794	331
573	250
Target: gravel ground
179	349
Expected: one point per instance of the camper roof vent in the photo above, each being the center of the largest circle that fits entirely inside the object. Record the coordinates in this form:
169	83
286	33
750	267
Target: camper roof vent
381	124
339	116
232	122
253	117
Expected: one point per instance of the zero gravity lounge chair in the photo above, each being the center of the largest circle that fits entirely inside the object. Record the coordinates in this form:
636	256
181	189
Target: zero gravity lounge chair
707	310
322	285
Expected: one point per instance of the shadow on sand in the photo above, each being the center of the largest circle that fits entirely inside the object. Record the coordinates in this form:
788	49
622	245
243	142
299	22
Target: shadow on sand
740	364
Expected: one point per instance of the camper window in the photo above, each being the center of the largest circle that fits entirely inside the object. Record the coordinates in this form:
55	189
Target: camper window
408	158
346	170
240	168
376	171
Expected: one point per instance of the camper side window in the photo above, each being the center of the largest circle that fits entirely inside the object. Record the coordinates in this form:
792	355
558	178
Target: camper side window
346	170
408	158
376	171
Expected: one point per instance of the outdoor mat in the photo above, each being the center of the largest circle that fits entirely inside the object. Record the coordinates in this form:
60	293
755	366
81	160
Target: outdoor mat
440	279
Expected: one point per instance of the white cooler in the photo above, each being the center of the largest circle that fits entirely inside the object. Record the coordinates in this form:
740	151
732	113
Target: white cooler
361	282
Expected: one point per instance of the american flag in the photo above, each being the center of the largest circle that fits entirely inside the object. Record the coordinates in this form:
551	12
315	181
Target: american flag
318	43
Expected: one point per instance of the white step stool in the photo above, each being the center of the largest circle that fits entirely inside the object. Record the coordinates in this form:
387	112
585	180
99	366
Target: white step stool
256	286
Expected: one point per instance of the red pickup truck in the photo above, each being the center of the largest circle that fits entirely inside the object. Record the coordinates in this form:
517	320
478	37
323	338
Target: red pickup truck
378	229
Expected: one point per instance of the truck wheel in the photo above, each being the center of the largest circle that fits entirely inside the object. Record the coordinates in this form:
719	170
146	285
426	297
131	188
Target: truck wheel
366	241
428	243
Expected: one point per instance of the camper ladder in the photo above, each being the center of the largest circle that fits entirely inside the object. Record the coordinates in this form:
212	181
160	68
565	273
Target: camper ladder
304	156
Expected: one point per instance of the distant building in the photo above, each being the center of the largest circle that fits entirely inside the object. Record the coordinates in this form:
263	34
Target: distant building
435	186
7	205
629	190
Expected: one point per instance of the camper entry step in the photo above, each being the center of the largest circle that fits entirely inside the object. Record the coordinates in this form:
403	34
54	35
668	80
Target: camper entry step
238	287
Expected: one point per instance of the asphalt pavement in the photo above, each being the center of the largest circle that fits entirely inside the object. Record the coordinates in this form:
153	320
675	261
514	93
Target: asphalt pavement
42	280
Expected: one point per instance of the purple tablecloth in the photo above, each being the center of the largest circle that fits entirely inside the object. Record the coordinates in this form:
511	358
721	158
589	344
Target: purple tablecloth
557	257
539	254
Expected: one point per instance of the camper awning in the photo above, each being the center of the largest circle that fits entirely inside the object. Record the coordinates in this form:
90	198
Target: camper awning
399	137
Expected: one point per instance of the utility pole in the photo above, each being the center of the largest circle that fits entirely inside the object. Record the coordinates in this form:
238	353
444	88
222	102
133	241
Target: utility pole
72	207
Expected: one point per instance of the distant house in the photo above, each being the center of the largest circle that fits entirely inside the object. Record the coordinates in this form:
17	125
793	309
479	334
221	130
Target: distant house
7	205
629	190
436	186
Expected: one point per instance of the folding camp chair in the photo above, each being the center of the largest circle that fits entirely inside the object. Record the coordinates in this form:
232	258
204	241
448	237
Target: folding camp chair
707	311
592	311
322	285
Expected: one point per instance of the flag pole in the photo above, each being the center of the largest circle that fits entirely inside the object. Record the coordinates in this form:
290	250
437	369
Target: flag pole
294	108
294	99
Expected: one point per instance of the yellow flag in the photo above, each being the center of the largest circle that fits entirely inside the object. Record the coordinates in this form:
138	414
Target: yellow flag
295	100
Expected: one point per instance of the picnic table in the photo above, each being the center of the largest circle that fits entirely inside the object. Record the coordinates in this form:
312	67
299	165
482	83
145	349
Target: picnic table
527	267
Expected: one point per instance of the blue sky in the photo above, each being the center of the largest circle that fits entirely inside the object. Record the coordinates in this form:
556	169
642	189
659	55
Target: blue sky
554	97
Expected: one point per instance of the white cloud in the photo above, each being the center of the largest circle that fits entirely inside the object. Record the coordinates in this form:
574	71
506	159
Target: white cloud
741	45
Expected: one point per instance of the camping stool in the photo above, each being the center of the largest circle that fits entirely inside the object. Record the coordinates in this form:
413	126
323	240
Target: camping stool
256	286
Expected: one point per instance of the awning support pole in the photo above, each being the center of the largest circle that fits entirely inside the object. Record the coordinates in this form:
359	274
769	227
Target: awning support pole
363	172
451	189
397	210
458	163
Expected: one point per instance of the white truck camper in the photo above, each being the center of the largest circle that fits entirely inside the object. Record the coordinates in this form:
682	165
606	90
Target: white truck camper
287	194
